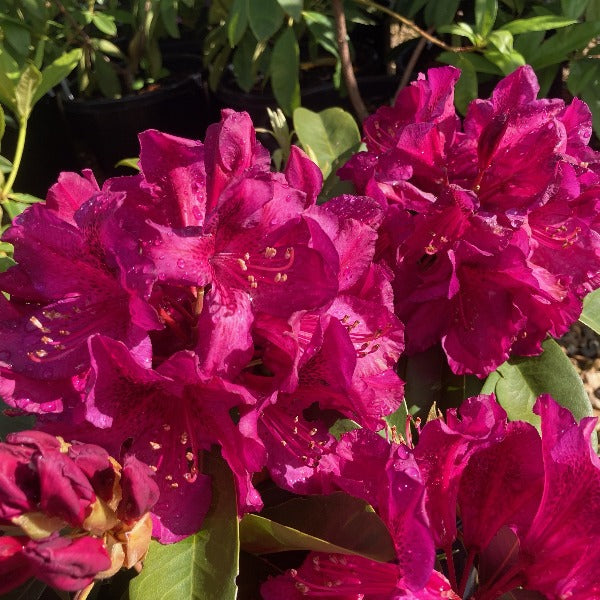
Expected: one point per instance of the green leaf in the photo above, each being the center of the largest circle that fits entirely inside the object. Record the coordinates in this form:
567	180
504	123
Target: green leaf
292	8
2	123
5	164
501	52
485	16
13	208
557	48
106	77
518	382
25	90
590	315
466	87
440	13
323	30
334	523
237	22
56	71
541	23
592	12
329	134
265	18
573	8
479	63
285	66
18	37
168	13
9	76
105	23
24	198
11	424
244	67
203	566
462	29
584	81
133	163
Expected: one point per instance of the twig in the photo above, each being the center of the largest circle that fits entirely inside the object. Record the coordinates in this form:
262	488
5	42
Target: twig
412	25
347	71
410	67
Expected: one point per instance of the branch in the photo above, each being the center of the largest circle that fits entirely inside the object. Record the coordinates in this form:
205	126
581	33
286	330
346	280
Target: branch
412	25
347	71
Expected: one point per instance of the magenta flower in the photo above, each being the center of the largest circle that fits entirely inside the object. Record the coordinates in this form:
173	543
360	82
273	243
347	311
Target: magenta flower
346	577
168	418
499	213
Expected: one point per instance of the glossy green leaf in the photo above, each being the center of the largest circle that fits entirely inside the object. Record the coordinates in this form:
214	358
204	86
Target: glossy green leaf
105	23
106	77
461	29
9	76
18	38
25	90
466	86
5	164
541	23
440	12
237	22
56	71
329	134
9	424
479	62
592	12
573	8
285	66
133	163
292	8
584	81
203	566
590	315
518	382
244	67
322	29
168	13
333	523
558	47
2	123
24	198
265	18
485	16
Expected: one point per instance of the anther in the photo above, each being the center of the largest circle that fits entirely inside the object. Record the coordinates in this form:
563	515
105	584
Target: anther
155	446
242	264
183	438
64	332
277	278
47	340
288	253
166	427
189	456
270	252
247	256
284	277
40	353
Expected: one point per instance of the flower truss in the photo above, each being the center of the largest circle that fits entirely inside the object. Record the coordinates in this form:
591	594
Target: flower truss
210	305
491	224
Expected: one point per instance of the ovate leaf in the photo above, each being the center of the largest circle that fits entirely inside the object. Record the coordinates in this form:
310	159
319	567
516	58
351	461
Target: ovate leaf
285	65
203	566
292	8
518	382
573	8
335	523
541	23
56	71
25	90
485	16
329	134
105	23
237	22
265	18
590	315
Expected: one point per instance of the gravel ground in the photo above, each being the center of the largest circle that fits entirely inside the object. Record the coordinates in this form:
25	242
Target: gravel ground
582	346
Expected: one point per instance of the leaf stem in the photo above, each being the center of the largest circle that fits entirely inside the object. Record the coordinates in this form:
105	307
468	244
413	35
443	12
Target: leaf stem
412	25
17	159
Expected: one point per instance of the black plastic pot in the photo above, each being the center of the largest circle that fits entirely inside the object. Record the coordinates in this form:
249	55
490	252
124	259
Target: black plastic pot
104	131
375	90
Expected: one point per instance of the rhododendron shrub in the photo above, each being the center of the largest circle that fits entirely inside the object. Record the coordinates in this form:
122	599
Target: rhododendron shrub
212	342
